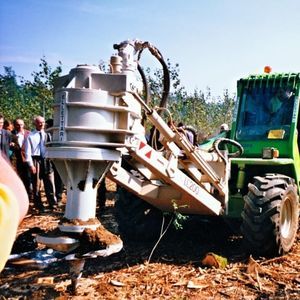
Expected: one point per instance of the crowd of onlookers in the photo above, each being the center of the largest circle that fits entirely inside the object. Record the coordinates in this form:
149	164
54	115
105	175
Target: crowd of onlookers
25	151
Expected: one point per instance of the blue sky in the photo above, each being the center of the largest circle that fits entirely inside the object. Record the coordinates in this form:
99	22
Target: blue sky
215	42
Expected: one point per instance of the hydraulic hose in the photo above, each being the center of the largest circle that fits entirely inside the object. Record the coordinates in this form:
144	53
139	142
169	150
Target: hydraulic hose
145	83
138	47
147	90
166	74
217	142
154	135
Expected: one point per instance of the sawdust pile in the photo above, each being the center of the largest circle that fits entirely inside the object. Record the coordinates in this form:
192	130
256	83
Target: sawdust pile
174	272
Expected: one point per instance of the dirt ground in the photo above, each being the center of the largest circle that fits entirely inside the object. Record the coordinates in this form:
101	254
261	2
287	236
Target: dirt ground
175	271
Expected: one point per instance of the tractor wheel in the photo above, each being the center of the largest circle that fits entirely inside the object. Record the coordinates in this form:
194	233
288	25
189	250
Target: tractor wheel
137	219
270	215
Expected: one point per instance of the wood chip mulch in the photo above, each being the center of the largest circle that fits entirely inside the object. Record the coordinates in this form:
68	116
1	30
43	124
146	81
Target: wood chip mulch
174	272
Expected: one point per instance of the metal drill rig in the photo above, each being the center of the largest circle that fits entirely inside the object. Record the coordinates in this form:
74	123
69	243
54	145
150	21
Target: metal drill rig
98	125
98	131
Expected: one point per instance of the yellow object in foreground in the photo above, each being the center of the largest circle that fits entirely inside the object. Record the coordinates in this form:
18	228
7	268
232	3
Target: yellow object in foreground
9	220
214	260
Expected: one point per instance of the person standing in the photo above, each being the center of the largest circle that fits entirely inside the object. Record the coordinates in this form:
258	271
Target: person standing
189	132
8	125
40	167
20	134
5	140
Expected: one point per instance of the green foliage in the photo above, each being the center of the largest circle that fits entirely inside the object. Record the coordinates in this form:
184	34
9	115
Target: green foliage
155	80
202	112
29	98
9	92
178	218
198	109
35	97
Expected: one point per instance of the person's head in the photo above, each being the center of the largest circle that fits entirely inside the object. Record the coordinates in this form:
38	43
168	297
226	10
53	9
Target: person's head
224	127
1	121
19	125
39	123
284	94
8	125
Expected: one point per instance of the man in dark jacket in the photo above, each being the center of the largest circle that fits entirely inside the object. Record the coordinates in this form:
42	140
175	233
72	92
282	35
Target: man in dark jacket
19	135
5	139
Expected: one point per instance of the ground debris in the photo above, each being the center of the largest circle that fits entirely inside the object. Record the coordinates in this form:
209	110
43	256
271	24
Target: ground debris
175	271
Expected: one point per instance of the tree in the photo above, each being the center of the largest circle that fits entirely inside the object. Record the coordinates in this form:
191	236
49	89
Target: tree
41	89
198	109
29	98
10	93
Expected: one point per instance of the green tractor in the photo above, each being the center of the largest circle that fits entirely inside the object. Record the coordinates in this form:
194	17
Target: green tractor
263	186
265	180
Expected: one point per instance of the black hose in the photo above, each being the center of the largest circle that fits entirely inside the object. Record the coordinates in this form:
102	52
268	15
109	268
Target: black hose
147	91
145	83
166	74
239	152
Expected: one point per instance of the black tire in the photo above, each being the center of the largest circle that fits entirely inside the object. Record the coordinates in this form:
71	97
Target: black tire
270	215
137	219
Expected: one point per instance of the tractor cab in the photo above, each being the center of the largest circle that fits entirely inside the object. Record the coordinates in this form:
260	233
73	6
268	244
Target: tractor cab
266	124
267	115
